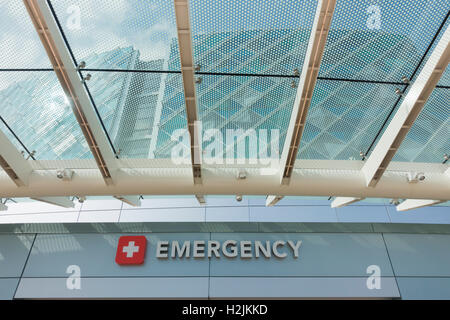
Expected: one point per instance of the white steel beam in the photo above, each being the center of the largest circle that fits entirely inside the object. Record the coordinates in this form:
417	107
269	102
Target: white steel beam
222	181
410	204
64	202
408	111
134	201
272	200
72	84
327	165
13	162
344	201
307	82
188	74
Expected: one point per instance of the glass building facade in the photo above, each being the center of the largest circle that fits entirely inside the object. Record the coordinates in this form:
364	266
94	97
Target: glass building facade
141	110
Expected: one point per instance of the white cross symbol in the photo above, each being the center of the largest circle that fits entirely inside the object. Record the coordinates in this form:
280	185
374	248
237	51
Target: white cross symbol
130	249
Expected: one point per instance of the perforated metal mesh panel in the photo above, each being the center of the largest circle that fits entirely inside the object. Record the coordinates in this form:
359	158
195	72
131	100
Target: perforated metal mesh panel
381	40
172	119
133	105
97	26
428	139
246	103
343	119
445	79
35	107
4	129
251	37
369	41
20	46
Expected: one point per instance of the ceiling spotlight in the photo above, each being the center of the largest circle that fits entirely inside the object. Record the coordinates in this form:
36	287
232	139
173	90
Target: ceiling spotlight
446	157
241	175
405	80
198	80
398	91
414	177
394	202
82	65
81	199
87	77
31	154
296	72
64	174
197	67
239	198
293	84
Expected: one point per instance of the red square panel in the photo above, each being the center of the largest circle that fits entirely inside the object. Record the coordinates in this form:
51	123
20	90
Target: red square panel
131	250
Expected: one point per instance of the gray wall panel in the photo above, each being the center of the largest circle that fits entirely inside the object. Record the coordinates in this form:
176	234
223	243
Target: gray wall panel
362	214
7	288
227	214
95	255
300	288
14	250
110	204
60	217
436	214
212	201
424	288
291	201
320	255
168	202
293	214
331	264
289	209
419	254
173	214
37	207
99	216
114	288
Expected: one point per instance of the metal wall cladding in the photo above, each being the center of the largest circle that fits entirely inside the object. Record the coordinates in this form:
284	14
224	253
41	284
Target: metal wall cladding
329	265
415	255
95	255
319	255
14	250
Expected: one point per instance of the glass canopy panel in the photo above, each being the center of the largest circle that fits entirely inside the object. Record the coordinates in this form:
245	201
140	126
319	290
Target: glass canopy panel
147	28
232	105
5	130
20	44
251	37
429	137
343	119
380	41
140	110
35	107
445	79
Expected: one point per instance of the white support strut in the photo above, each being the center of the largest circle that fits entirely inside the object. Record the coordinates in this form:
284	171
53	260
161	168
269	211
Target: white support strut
408	111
